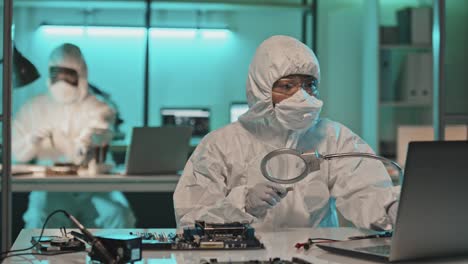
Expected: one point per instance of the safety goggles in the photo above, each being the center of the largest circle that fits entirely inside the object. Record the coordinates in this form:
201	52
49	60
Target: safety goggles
291	84
68	75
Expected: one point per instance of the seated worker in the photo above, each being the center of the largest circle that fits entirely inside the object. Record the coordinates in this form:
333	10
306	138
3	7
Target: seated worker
63	126
222	181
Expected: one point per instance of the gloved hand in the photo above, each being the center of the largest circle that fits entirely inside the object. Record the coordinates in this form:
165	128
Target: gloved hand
40	134
82	152
87	141
262	197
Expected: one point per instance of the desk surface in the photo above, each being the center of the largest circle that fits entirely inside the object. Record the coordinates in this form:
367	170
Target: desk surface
277	244
98	183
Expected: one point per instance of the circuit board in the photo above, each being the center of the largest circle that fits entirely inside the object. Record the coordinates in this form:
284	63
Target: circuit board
269	261
203	236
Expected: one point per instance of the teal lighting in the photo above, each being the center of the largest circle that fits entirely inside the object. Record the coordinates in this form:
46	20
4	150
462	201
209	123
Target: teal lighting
214	33
104	31
173	32
115	31
92	31
62	30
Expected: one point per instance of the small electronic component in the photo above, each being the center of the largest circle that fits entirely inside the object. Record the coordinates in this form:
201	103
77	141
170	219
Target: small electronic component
57	243
204	236
269	261
311	241
61	169
126	248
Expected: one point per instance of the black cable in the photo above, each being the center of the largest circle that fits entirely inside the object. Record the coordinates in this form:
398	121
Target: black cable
40	236
311	241
94	242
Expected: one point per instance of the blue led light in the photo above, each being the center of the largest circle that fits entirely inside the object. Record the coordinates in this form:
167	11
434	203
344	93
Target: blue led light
115	31
214	33
62	30
98	31
93	31
173	32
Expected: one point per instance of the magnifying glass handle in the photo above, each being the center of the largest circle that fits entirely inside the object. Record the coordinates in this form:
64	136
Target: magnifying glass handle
283	194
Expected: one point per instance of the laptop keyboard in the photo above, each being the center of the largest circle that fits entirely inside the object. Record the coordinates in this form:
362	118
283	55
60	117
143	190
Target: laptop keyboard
378	250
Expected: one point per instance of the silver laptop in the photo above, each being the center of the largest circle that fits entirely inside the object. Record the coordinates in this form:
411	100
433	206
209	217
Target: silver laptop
432	218
158	150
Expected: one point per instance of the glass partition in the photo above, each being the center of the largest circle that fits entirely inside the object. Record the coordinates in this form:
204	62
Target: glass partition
199	56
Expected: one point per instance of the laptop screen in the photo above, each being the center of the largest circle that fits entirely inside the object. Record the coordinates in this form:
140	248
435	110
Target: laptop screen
158	150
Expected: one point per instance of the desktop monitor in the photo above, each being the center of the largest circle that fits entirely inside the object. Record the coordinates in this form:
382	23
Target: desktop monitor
197	118
236	110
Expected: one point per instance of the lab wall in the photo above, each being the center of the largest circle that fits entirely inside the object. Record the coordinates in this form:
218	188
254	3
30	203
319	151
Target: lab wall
339	39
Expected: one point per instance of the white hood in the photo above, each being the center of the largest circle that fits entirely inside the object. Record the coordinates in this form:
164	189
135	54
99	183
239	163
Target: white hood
276	57
69	56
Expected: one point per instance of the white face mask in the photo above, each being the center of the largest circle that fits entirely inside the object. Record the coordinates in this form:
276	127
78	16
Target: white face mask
64	92
298	112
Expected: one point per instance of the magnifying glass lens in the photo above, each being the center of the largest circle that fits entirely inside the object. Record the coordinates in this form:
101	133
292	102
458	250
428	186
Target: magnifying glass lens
285	167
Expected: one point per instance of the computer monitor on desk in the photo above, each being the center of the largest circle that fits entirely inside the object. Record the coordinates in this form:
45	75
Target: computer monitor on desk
236	110
197	118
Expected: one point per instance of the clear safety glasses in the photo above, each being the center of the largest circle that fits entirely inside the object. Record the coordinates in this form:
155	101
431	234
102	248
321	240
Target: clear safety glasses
291	84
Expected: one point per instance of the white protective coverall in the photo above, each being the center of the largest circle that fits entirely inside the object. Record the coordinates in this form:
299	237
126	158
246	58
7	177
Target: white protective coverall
226	163
60	126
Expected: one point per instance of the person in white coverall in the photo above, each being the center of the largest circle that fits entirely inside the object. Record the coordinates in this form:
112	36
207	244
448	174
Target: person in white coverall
62	126
222	181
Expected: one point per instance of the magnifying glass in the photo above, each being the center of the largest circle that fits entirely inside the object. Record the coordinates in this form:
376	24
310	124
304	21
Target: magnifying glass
288	166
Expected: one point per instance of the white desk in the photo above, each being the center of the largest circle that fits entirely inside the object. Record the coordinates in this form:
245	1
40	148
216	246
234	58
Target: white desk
99	183
278	244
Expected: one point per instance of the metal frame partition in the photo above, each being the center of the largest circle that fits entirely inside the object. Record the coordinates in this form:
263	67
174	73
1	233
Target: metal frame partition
310	10
146	76
5	118
440	117
438	45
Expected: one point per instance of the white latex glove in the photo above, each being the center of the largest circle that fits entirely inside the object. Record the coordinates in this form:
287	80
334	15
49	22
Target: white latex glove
40	134
82	152
89	138
262	197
